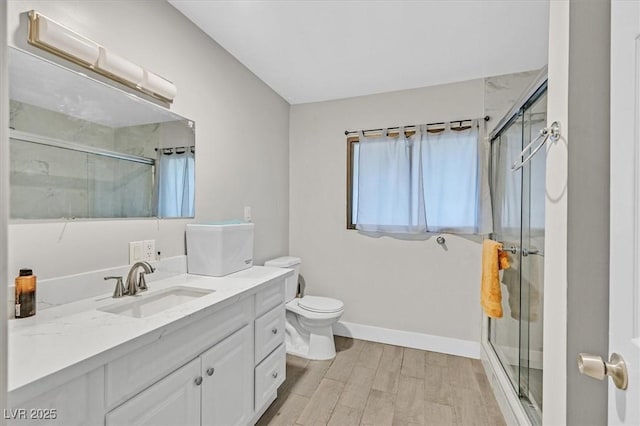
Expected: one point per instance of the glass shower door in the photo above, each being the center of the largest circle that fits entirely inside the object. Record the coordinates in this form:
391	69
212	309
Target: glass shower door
518	208
507	210
532	258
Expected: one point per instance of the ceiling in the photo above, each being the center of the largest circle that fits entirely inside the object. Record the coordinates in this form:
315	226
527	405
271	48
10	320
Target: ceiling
315	50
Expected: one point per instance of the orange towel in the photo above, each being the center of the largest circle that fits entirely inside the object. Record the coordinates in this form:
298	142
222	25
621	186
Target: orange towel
493	259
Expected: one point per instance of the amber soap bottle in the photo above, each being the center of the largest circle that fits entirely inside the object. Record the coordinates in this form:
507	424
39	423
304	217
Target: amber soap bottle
25	294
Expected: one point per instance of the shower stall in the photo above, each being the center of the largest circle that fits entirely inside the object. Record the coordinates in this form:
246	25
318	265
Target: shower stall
518	199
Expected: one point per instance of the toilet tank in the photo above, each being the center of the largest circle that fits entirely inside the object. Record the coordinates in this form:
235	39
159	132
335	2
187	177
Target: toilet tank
291	282
218	250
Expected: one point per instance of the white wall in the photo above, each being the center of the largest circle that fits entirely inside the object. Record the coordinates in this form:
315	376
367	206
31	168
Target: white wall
241	136
4	206
415	286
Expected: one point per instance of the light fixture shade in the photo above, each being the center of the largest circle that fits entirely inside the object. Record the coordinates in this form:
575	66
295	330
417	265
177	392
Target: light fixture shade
156	84
48	35
64	40
120	67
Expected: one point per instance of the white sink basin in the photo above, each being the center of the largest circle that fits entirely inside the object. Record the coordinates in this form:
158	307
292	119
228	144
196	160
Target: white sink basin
146	305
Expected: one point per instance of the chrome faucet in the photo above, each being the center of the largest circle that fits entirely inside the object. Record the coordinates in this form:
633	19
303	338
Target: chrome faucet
137	283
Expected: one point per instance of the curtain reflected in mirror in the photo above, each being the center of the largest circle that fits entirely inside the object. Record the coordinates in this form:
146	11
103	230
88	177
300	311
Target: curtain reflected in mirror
176	176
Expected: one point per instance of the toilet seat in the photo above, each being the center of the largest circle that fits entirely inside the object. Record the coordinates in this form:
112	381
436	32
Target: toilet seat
323	305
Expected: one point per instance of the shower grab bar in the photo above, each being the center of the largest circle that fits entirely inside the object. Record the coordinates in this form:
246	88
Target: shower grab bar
552	132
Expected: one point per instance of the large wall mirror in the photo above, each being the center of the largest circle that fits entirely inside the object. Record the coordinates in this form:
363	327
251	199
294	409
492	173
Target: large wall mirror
80	148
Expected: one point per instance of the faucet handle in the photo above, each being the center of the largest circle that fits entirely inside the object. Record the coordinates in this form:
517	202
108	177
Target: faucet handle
119	291
142	282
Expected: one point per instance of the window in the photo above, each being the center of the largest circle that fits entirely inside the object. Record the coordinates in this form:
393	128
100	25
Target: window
429	180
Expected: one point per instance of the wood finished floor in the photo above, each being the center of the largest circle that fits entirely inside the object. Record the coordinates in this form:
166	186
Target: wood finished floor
370	383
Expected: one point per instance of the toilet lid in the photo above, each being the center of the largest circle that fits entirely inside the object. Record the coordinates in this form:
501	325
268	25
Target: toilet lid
320	304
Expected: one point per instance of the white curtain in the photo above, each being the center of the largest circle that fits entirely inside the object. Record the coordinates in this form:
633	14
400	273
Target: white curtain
176	185
429	182
389	196
455	181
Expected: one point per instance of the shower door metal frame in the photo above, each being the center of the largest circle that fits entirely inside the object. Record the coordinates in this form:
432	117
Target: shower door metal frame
520	404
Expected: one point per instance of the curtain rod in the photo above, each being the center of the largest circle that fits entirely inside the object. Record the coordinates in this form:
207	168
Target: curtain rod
347	132
176	149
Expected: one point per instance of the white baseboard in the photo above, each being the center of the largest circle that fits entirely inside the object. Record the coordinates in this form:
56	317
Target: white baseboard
409	339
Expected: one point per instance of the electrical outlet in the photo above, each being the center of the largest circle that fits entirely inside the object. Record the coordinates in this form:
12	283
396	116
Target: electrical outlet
149	250
135	252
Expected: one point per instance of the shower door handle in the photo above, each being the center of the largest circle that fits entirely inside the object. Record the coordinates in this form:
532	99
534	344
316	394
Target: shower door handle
594	366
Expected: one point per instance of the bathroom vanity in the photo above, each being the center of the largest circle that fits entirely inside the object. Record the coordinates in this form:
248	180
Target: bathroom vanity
193	350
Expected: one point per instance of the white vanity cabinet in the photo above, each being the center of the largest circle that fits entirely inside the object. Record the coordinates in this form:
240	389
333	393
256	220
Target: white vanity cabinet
213	389
219	365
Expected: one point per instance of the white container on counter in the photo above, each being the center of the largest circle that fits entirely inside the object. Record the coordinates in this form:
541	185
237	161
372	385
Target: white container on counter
218	250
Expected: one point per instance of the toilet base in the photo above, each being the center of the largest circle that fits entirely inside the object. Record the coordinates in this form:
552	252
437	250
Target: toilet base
308	339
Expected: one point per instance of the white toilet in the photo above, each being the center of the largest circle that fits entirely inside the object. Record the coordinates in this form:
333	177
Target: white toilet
309	332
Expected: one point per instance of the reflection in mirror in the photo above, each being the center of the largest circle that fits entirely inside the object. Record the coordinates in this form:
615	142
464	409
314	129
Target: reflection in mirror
80	148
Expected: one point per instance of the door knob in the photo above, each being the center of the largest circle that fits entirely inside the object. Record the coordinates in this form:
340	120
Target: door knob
594	366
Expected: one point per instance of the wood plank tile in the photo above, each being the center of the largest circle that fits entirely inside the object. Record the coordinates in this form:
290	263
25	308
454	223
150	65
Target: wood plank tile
460	373
469	407
297	362
345	416
386	381
285	410
382	389
379	409
439	414
391	359
344	362
320	407
296	367
388	373
437	358
370	355
477	366
494	413
413	363
347	344
308	381
342	342
436	386
356	392
409	409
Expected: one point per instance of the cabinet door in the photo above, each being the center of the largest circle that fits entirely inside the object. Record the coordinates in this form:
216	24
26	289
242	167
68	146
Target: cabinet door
174	400
227	389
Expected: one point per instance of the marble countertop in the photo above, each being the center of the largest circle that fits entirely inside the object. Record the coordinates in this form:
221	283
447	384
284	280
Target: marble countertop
65	341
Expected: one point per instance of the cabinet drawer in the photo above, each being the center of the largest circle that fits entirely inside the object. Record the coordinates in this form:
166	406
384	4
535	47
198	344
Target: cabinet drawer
270	374
128	375
269	297
269	332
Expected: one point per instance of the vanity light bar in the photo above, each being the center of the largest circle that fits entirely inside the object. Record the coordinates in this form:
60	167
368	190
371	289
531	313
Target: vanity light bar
61	41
